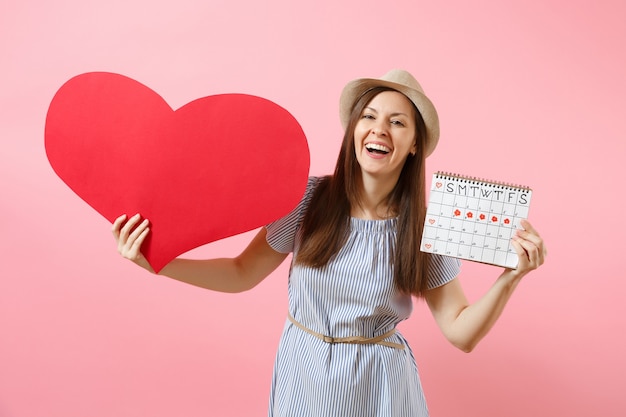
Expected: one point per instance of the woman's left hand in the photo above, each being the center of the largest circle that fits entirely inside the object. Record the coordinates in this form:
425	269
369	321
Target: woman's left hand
530	249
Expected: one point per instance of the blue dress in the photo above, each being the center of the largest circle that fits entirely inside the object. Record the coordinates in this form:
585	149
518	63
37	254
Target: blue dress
354	295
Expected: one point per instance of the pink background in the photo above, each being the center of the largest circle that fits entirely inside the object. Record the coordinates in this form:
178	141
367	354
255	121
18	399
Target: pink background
531	93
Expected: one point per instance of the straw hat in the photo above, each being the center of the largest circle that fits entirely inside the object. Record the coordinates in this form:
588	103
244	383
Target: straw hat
403	82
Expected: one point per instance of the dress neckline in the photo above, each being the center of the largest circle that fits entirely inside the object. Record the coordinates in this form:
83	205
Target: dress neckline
372	225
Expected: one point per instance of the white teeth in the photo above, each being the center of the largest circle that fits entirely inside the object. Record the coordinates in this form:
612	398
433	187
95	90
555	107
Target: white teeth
377	147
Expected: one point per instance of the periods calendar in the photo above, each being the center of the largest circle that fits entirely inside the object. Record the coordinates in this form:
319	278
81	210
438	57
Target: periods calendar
474	219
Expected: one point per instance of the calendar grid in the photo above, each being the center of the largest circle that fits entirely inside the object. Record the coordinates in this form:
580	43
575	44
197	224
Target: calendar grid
474	219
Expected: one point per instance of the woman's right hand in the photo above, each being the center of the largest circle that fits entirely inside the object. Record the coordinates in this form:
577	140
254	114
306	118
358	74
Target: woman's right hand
129	235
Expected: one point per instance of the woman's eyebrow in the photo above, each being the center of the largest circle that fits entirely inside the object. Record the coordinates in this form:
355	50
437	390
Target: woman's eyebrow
392	114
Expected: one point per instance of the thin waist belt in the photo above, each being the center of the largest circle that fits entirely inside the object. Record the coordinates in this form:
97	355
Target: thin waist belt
358	340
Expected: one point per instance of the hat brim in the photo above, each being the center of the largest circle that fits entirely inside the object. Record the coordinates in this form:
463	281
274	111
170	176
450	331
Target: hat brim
356	88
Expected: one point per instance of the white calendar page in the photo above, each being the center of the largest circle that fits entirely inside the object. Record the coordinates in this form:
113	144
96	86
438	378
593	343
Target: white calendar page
474	219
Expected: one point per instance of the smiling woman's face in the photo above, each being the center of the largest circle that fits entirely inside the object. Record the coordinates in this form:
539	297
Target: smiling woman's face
385	135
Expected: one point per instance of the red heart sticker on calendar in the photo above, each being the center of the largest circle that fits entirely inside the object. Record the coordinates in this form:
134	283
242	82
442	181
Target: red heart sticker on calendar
428	245
216	167
438	185
431	221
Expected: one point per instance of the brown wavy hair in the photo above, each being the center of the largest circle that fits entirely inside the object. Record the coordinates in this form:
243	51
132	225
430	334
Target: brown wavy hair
326	223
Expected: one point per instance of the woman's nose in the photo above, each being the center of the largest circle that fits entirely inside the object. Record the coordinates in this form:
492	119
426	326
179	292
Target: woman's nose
379	129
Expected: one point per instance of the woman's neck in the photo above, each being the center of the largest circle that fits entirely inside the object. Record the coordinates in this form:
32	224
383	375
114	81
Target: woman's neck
373	200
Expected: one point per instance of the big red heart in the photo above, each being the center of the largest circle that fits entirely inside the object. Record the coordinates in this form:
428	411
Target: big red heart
218	166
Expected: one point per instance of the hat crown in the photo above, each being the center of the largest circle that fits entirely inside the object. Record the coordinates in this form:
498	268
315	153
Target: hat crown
404	78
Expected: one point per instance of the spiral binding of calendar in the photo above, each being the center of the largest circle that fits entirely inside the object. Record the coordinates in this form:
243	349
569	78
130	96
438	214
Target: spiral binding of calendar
480	181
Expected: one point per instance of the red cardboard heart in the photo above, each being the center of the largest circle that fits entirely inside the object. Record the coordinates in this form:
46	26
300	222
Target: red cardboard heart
216	167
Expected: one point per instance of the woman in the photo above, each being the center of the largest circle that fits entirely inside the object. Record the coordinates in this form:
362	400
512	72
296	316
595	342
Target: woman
356	265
